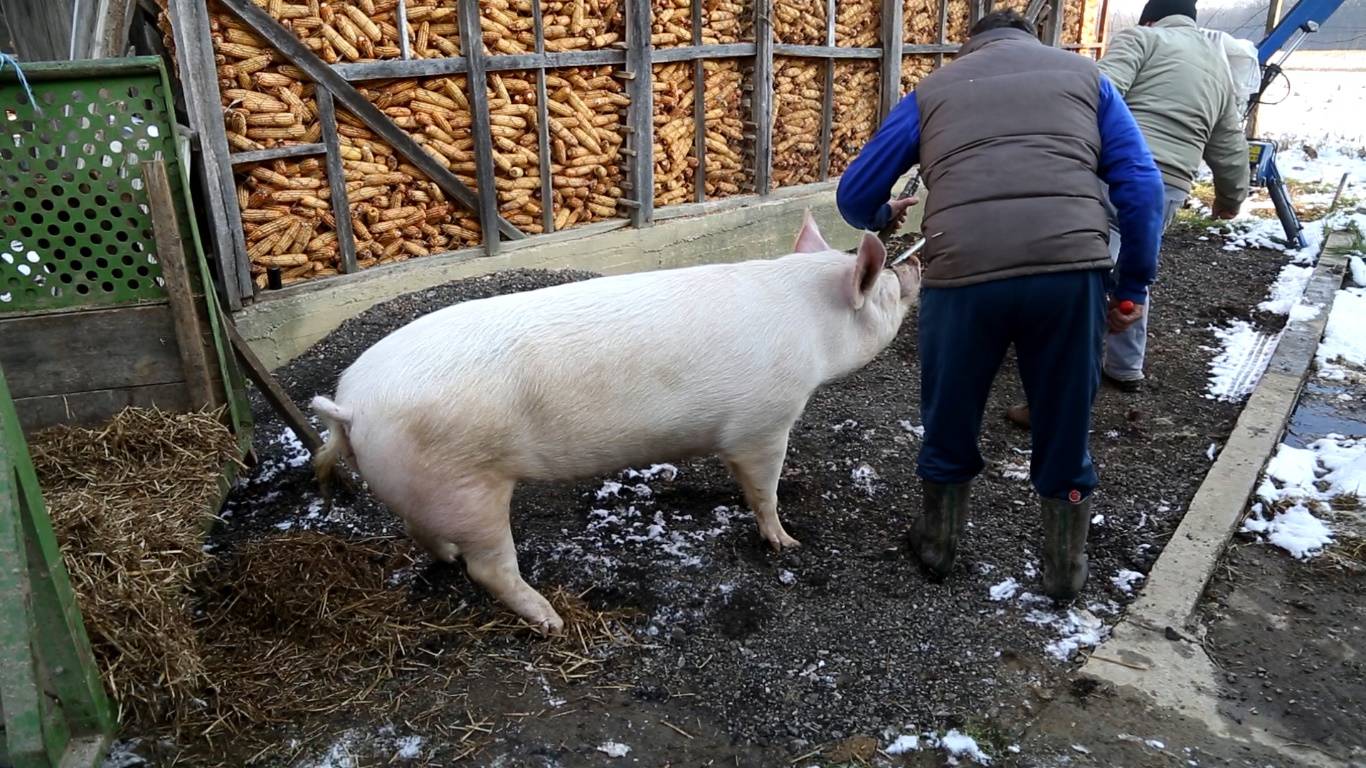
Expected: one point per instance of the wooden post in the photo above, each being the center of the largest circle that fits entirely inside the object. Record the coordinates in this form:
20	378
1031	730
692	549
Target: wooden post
761	98
699	109
828	99
640	113
472	44
189	331
199	79
336	181
543	125
893	38
402	18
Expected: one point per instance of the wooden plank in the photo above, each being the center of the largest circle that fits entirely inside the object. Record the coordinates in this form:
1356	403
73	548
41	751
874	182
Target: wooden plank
505	62
276	153
912	50
271	390
640	112
761	97
827	118
943	24
404	46
350	99
171	255
199	81
336	181
19	686
699	111
90	349
692	53
543	127
472	43
892	34
95	407
41	28
399	69
1053	30
825	52
113	22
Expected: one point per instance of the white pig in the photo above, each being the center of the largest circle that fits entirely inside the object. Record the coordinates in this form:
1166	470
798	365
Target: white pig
443	416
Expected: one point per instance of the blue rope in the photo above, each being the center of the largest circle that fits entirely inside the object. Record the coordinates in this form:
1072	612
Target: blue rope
5	58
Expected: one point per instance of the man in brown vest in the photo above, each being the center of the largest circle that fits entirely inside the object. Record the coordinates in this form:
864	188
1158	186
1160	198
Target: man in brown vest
1014	140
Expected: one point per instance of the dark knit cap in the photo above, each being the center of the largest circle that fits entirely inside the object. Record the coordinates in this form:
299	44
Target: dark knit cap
1157	10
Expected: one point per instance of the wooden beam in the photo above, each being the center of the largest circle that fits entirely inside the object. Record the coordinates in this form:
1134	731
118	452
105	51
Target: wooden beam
543	126
336	181
189	331
761	97
828	98
1053	32
276	153
383	70
640	112
472	44
916	50
825	52
274	394
699	110
352	101
694	52
893	34
203	102
402	17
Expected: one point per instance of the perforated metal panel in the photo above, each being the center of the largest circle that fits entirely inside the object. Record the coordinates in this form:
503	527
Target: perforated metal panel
75	230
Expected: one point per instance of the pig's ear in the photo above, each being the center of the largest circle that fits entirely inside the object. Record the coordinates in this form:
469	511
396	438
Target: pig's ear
872	255
809	239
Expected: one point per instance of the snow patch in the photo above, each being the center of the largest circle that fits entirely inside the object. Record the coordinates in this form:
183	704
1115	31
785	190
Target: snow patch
962	745
914	429
865	478
1295	530
1344	338
1287	290
614	749
1004	591
1124	580
1243	356
903	744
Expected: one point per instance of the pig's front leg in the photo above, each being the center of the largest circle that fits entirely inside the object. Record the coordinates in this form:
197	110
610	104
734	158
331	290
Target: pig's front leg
757	466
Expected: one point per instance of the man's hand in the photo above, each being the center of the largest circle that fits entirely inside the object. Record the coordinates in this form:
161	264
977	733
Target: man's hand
899	208
1225	214
1123	314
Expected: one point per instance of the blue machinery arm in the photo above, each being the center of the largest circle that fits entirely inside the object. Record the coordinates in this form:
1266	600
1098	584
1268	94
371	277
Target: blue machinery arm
1305	16
1302	20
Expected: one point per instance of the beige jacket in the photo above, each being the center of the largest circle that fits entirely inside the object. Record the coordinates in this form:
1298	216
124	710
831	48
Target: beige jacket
1176	82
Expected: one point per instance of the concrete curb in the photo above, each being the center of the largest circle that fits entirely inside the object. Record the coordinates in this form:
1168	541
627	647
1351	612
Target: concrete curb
1152	649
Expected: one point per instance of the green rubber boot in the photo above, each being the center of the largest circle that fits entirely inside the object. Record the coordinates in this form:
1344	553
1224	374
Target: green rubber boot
934	534
1064	561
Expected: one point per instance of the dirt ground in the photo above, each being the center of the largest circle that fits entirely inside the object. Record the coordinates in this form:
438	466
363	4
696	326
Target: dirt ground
739	656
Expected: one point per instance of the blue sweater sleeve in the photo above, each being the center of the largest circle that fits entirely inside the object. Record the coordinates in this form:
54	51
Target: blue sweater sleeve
1136	191
867	183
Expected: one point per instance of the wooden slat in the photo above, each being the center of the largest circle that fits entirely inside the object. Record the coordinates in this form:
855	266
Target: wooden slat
271	390
827	118
1053	32
892	34
640	112
383	70
199	80
350	99
90	349
276	153
171	255
543	126
825	52
699	111
95	407
694	52
336	181
911	50
472	43
505	62
761	97
403	46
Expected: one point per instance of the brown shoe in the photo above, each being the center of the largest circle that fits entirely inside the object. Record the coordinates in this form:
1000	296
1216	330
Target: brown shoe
1018	415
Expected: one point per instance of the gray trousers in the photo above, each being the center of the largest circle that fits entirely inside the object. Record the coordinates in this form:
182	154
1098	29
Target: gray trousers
1124	351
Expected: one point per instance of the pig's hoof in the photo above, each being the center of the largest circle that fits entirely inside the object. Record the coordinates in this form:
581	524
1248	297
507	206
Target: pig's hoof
782	541
551	626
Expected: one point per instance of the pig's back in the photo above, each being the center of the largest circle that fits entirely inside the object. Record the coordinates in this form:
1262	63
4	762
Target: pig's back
608	371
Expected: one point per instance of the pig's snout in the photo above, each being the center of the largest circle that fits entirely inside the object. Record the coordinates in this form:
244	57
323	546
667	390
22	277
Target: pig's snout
908	277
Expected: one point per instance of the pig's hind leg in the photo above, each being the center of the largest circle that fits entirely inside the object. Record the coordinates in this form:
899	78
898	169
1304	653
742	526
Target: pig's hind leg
756	465
472	517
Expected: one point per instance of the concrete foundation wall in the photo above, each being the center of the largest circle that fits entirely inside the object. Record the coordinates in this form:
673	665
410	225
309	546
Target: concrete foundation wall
282	326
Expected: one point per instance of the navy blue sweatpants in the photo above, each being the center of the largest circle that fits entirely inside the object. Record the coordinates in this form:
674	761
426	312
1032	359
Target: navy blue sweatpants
1057	323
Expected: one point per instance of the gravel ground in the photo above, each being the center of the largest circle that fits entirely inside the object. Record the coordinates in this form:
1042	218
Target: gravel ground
752	657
